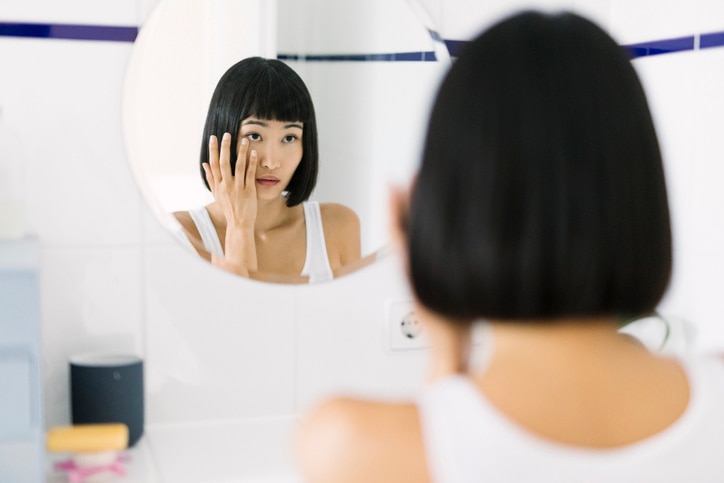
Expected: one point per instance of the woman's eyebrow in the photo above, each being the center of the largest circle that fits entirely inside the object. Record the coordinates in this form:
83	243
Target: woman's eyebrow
253	121
265	124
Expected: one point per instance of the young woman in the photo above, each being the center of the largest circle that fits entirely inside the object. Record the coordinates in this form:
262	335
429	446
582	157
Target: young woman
540	208
259	158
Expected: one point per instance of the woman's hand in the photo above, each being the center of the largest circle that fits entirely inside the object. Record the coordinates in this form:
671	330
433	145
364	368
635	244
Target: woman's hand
236	194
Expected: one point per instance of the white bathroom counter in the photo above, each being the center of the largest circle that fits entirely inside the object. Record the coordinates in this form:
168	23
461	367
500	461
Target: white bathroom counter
255	451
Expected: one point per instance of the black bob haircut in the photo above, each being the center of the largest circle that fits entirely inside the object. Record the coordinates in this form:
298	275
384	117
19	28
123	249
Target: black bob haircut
266	89
541	192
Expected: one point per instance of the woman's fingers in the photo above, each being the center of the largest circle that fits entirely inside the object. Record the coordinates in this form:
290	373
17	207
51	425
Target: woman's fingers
241	155
209	176
225	157
214	159
246	161
250	181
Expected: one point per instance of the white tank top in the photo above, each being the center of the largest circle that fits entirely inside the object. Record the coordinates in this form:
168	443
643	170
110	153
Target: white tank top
467	440
316	265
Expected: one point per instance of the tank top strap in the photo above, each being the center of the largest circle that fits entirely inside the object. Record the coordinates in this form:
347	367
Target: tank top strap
316	266
209	237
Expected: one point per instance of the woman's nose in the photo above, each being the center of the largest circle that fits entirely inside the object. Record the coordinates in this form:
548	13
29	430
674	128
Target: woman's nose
268	157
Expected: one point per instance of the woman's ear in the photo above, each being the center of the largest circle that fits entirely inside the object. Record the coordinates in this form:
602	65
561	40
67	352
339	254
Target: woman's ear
399	214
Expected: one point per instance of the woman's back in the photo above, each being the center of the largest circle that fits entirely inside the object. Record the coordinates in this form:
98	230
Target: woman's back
596	410
569	402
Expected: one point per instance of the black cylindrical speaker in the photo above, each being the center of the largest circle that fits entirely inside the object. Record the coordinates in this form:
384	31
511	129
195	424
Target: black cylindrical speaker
108	388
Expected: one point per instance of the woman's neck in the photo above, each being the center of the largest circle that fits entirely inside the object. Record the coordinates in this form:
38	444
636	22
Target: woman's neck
271	214
520	341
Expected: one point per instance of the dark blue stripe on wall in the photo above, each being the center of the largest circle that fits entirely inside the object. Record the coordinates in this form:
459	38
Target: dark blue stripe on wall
715	39
455	46
110	33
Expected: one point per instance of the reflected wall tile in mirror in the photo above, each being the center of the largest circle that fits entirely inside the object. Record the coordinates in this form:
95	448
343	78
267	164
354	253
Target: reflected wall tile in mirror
219	346
371	105
345	351
91	301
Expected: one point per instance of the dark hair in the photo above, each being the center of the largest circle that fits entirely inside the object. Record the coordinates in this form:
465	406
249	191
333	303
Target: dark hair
541	192
266	89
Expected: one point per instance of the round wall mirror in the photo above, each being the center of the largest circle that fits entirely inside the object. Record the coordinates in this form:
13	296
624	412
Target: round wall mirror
371	67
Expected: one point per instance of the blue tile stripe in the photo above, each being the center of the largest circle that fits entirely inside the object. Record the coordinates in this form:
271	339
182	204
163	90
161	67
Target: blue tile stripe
110	33
714	39
455	46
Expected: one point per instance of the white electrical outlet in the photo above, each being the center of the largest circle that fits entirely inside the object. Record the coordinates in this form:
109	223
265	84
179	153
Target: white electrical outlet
403	330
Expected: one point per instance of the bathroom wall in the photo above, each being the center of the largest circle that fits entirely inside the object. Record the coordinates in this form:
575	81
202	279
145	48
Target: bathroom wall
221	348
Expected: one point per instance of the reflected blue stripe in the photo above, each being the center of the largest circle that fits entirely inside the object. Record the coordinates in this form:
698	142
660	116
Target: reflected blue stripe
428	56
658	47
109	33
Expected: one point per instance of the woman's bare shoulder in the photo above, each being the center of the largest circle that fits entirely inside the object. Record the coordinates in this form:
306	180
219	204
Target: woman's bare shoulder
346	440
342	232
338	214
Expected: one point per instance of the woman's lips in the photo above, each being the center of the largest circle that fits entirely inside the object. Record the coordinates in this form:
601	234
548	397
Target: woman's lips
267	181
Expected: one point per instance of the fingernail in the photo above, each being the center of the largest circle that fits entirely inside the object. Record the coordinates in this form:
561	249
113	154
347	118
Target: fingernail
212	139
227	136
244	141
253	152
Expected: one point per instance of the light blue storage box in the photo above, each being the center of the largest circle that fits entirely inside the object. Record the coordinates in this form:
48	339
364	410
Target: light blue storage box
22	437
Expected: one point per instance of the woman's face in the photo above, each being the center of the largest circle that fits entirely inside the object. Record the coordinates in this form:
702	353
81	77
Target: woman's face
279	149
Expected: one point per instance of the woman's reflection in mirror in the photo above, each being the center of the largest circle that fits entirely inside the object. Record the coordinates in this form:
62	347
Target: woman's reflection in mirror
259	159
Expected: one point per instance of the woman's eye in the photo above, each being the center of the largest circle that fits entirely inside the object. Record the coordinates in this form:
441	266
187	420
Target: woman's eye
290	138
253	136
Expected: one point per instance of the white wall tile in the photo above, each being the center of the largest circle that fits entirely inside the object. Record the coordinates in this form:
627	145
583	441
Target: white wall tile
643	21
250	451
65	117
90	302
101	12
708	160
706	302
341	338
218	346
464	19
669	82
710	15
685	94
